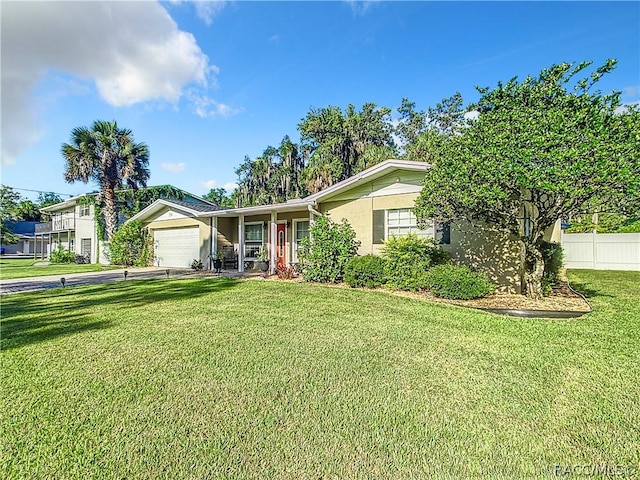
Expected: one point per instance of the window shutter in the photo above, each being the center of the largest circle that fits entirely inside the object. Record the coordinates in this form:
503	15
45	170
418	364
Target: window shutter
378	227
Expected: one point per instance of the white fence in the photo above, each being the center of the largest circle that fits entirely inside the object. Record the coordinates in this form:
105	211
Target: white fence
602	251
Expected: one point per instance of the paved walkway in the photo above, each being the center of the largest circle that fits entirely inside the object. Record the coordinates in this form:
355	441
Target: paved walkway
31	284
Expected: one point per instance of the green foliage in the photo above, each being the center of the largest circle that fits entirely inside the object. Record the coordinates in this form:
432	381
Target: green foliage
48	198
341	144
196	264
542	148
131	201
219	197
604	223
109	156
553	256
408	259
263	254
421	131
326	252
366	271
62	255
131	246
458	282
632	227
275	176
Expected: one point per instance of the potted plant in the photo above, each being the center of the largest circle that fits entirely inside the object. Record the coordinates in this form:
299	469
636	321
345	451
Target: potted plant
217	261
263	259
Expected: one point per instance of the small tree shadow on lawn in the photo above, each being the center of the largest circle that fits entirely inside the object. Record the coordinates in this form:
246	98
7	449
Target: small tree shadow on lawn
60	312
587	290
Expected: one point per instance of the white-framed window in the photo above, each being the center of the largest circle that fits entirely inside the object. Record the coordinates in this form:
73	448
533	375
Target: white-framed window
402	221
85	210
253	238
399	222
300	231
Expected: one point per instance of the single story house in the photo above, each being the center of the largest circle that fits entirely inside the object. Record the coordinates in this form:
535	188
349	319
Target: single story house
26	244
377	202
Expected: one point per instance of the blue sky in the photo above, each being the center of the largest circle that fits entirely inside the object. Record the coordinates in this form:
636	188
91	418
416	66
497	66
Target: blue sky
206	83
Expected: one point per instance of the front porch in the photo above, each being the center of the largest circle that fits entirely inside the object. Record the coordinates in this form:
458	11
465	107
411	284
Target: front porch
249	231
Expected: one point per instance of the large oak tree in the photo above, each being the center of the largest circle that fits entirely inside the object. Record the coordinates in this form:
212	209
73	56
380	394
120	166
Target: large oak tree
540	149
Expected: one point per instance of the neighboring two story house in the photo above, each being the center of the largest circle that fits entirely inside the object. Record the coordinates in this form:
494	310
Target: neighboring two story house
73	225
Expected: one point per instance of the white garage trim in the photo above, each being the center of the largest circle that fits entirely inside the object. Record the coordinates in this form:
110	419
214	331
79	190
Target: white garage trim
176	247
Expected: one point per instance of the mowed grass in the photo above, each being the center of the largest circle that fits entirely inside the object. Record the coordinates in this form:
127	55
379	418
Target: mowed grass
254	379
26	267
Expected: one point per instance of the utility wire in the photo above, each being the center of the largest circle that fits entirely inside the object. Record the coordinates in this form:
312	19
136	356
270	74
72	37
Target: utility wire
40	191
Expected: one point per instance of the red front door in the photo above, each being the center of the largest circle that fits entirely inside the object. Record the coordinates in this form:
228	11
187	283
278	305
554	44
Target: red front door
281	246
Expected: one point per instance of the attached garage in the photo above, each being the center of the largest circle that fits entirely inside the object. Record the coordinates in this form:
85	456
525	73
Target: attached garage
177	247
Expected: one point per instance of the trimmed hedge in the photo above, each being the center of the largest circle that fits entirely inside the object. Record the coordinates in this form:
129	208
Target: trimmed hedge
458	282
367	271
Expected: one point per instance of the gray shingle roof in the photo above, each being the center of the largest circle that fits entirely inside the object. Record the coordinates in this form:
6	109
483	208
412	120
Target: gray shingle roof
197	206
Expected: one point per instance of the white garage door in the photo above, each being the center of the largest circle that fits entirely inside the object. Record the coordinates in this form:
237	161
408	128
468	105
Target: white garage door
177	247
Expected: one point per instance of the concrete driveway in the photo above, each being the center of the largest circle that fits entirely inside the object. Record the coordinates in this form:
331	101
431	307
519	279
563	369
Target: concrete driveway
31	284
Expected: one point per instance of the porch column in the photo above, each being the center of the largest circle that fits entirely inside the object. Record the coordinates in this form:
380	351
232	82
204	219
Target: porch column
214	240
273	241
241	243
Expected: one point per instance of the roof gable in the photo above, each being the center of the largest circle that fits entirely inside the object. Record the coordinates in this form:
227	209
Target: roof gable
386	168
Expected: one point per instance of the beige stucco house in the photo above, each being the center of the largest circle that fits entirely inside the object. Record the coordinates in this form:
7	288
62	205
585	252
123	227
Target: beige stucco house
377	202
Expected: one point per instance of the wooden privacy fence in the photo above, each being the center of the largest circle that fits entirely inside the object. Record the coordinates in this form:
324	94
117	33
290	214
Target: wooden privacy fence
602	251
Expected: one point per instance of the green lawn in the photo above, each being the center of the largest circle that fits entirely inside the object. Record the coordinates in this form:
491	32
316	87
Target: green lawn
24	267
227	378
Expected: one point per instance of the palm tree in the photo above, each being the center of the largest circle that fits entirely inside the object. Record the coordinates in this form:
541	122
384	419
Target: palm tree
109	156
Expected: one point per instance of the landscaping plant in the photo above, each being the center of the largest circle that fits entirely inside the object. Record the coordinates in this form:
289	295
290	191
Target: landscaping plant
131	246
366	271
325	253
458	282
62	255
408	259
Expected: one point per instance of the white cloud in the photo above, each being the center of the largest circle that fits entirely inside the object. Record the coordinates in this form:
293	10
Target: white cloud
132	51
208	9
205	106
209	184
361	7
173	167
625	106
631	92
472	115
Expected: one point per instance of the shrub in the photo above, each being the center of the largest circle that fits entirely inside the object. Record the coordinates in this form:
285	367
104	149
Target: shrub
408	260
197	264
458	282
325	253
130	245
284	273
62	255
367	271
552	255
633	226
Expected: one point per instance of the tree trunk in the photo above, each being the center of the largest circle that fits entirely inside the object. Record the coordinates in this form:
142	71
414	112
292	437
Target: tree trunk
534	269
110	212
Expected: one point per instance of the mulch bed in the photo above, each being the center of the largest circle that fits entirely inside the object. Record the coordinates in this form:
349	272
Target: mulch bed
561	299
